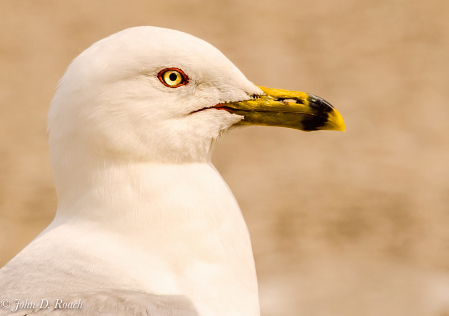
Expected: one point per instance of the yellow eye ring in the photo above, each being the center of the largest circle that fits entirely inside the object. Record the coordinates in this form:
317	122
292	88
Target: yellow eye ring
173	77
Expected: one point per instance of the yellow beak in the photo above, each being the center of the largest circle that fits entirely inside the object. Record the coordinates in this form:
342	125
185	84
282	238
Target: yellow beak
284	108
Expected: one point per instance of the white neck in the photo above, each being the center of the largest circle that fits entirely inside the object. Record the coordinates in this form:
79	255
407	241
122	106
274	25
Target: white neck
176	229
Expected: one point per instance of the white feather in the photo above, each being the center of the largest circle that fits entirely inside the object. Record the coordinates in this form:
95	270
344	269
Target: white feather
140	206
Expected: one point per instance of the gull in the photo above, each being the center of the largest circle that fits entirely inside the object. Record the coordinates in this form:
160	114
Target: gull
145	225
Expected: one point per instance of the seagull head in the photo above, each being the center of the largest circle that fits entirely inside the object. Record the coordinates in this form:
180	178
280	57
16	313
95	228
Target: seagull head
157	95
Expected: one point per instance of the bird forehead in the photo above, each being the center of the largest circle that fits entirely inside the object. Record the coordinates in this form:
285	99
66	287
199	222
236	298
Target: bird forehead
150	49
157	44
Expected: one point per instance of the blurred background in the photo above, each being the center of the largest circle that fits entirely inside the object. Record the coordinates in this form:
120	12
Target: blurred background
353	223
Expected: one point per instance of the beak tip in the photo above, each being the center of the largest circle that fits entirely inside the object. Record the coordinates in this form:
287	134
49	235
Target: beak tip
338	121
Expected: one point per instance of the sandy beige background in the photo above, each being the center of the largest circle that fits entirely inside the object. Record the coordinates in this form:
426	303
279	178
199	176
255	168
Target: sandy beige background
353	223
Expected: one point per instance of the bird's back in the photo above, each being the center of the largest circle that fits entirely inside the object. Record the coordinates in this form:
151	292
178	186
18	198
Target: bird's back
32	284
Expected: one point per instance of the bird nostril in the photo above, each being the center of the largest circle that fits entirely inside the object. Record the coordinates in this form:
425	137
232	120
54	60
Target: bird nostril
287	101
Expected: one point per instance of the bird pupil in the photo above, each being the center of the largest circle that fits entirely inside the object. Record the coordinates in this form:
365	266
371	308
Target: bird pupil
173	76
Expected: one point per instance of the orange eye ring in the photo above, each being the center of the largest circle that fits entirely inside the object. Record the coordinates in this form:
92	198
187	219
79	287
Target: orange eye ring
173	77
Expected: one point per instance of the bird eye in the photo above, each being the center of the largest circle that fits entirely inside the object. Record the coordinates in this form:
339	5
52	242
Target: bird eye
173	77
